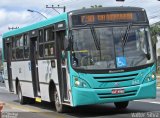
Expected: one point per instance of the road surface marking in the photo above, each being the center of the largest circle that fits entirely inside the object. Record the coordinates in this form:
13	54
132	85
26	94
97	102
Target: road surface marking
147	101
27	109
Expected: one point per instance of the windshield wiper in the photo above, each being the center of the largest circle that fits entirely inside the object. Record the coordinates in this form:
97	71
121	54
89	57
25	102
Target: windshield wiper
96	40
125	36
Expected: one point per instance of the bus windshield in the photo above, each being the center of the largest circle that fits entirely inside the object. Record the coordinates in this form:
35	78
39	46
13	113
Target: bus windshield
105	47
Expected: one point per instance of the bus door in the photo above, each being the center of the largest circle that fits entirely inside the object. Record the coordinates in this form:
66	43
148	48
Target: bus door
34	64
9	69
61	66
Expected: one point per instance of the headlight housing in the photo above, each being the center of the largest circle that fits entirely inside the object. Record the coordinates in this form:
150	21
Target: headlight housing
78	82
150	77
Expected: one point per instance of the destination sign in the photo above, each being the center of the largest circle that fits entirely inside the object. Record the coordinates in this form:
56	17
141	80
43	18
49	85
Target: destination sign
83	19
106	17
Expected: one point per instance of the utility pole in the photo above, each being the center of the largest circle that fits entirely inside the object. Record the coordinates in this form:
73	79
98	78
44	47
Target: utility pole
58	7
12	28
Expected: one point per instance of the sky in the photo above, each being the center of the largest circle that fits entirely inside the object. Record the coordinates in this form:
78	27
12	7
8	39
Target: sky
13	13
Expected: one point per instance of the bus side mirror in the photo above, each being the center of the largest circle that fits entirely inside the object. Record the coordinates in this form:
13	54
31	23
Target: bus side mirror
148	56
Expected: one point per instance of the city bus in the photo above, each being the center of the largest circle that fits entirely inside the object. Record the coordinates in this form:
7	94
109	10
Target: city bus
82	57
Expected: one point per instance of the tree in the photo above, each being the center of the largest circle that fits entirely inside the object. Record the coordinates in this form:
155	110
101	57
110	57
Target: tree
155	31
96	6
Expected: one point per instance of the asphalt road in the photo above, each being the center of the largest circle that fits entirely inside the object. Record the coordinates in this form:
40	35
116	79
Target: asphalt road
144	108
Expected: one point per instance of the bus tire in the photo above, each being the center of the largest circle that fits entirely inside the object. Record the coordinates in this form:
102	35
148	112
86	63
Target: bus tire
60	108
21	98
121	105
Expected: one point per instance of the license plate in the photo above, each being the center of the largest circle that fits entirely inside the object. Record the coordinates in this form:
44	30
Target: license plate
117	91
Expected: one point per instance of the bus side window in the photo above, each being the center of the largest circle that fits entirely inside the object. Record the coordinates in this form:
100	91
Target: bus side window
49	35
26	46
4	50
49	42
14	42
13	54
41	48
49	49
40	36
46	51
19	47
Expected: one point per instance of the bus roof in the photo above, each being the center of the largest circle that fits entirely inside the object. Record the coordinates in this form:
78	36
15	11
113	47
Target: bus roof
37	25
107	9
63	16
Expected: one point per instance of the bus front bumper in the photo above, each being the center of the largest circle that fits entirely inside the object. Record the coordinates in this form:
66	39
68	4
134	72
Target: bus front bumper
85	96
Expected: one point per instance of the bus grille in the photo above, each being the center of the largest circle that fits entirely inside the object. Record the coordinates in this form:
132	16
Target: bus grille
120	78
110	95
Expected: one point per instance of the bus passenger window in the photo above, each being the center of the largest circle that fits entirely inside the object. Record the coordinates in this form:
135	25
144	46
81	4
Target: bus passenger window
21	41
13	54
26	40
49	35
13	43
19	47
4	47
26	46
17	42
52	50
40	36
46	51
26	52
40	50
49	49
13	49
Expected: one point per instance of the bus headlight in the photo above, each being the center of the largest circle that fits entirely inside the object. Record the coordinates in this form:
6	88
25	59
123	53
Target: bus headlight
77	83
80	83
153	76
150	77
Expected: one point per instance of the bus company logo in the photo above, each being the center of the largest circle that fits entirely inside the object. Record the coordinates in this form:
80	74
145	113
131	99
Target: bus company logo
116	84
115	71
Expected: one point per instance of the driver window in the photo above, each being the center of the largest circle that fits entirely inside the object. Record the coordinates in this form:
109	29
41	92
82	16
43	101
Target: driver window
141	43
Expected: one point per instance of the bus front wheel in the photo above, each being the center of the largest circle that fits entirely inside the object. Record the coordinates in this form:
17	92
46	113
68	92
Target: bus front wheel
121	105
21	98
59	106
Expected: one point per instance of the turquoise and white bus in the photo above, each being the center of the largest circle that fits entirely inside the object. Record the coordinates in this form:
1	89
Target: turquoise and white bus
87	56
